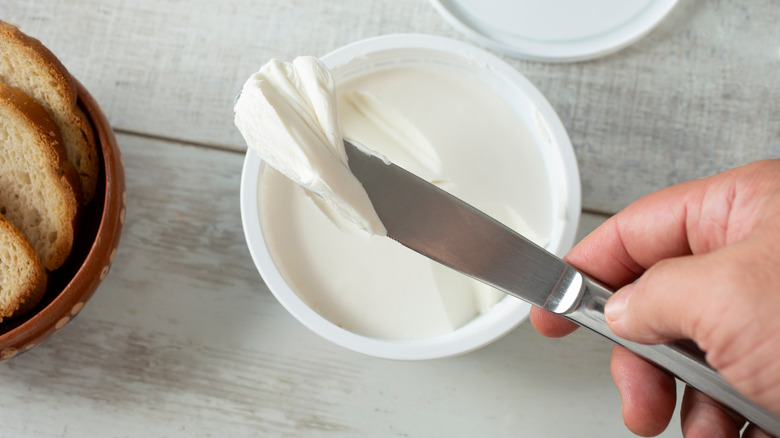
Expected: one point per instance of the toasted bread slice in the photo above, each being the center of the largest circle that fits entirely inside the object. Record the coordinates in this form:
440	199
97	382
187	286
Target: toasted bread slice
29	66
22	278
37	191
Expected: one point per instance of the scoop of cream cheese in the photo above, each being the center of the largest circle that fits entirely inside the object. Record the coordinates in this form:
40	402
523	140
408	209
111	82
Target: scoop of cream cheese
287	114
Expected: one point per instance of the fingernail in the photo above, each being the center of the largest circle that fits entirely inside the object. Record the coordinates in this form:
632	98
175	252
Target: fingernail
616	304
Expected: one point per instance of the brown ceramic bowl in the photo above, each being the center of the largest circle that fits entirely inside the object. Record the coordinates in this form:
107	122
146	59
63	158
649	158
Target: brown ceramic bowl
96	241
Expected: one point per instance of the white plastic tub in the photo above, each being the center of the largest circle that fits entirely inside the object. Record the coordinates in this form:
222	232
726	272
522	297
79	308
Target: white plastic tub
531	108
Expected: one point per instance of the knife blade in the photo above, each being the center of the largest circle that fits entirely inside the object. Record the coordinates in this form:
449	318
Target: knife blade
442	227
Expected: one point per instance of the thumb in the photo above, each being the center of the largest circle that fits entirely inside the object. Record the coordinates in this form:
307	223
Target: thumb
669	301
724	301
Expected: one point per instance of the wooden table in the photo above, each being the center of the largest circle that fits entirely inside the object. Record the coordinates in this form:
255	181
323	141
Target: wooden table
184	339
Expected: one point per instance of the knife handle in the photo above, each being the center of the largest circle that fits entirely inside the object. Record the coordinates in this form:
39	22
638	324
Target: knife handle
682	359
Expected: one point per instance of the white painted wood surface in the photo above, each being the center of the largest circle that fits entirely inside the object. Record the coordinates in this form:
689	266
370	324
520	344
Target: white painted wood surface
699	94
183	339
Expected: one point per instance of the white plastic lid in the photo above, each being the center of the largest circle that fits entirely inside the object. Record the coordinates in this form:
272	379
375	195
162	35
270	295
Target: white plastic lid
554	30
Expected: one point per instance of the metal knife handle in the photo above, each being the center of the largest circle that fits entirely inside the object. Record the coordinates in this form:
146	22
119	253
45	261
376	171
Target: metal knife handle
682	359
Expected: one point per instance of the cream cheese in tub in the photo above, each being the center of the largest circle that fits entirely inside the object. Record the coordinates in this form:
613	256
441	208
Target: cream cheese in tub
448	127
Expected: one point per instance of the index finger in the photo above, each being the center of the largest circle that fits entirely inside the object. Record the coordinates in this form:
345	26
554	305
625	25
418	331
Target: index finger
617	253
647	231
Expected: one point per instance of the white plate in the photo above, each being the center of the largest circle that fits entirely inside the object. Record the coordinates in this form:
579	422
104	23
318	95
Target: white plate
554	30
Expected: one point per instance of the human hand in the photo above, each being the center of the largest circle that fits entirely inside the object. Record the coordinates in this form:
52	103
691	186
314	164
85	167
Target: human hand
700	261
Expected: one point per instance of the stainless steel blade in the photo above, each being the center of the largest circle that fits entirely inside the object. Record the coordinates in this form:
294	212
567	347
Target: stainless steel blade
440	226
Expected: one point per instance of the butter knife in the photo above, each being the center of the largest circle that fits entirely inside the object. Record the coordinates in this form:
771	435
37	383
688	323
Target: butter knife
441	227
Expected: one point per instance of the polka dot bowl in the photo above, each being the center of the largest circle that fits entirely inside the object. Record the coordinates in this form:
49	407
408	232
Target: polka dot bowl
100	225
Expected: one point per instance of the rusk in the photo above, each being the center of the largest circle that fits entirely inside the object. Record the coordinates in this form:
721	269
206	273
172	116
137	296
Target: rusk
22	278
37	185
28	65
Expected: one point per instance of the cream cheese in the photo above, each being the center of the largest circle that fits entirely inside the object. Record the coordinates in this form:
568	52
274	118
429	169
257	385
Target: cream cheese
448	128
287	114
